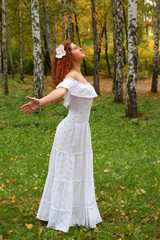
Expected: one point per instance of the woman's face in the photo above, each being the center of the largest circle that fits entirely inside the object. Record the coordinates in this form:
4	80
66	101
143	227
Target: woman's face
77	53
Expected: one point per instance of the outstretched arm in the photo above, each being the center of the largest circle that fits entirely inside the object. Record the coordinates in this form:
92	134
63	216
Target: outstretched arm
36	103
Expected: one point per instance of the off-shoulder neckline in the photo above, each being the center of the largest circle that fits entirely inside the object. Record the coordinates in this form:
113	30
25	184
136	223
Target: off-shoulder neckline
78	81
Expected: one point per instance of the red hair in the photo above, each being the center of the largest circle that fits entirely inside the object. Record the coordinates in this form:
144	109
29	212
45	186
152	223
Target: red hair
61	66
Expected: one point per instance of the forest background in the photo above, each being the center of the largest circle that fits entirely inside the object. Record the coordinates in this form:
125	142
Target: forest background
126	151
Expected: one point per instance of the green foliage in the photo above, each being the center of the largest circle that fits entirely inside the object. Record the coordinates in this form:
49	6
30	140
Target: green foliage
126	168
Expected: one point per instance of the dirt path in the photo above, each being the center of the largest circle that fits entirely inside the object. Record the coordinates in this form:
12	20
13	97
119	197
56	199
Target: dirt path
143	86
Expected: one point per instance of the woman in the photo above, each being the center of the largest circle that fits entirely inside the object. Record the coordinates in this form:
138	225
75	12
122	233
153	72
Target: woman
69	195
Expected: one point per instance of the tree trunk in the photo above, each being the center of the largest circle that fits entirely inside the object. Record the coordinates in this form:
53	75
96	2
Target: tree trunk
69	21
125	24
63	21
47	29
1	42
10	45
119	60
0	57
77	30
37	52
56	28
131	95
47	62
106	51
4	48
20	37
114	43
100	41
156	49
95	38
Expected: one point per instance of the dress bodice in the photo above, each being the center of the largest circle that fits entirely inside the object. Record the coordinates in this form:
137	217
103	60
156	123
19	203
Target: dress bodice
79	98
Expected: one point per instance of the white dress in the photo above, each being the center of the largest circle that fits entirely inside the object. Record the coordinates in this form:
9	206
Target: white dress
69	194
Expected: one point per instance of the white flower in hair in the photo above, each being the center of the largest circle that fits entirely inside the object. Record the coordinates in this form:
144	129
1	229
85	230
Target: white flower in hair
60	52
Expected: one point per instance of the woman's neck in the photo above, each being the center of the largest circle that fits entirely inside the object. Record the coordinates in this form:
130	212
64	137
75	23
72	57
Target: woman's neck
76	67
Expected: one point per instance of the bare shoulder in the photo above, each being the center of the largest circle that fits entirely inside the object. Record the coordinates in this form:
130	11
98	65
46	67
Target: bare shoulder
72	74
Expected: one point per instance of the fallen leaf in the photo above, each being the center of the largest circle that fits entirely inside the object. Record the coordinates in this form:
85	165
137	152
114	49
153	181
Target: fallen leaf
29	226
14	219
96	229
106	170
146	219
40	231
119	192
122	187
12	197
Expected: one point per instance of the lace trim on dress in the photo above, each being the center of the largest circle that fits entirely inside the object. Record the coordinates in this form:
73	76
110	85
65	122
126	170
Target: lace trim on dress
76	88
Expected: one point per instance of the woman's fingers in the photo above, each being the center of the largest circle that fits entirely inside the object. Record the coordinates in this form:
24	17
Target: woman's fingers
25	105
30	98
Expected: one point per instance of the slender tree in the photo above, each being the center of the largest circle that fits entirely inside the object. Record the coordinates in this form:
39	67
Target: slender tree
56	27
106	50
77	31
114	42
4	48
21	41
0	41
63	21
69	21
131	96
47	28
119	58
156	49
100	40
95	38
10	44
0	57
37	52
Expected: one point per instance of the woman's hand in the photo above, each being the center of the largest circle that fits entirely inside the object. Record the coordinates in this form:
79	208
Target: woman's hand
33	105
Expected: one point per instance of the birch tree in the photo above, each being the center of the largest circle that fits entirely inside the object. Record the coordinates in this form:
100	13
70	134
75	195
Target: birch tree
69	21
37	52
131	95
119	58
63	21
20	40
95	38
0	42
56	28
114	43
0	57
156	49
10	44
47	28
4	48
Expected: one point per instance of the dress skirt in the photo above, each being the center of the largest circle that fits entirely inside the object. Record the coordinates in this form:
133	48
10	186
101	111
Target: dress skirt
69	193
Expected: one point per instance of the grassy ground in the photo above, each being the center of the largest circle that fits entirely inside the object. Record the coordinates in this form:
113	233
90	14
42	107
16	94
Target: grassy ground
126	168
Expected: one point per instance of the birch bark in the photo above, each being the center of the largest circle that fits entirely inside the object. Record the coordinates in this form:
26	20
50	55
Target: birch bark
47	28
10	44
114	43
21	42
69	22
131	95
4	48
119	58
37	52
156	49
95	38
63	21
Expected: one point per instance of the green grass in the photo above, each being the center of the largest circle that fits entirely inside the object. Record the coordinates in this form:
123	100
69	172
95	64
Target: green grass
128	192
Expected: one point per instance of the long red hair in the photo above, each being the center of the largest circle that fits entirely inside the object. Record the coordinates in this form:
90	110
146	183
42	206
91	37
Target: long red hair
61	66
